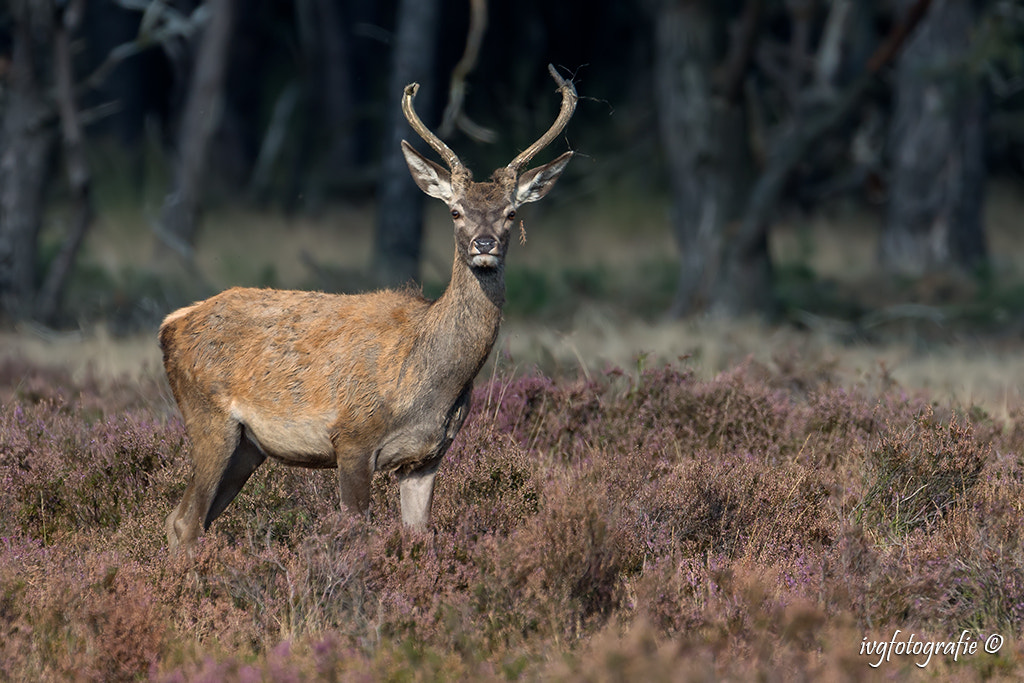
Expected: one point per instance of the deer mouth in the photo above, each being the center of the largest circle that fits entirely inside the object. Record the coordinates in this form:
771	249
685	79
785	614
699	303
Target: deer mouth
484	260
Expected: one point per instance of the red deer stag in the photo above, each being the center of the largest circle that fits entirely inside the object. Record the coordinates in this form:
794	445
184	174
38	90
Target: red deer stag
364	383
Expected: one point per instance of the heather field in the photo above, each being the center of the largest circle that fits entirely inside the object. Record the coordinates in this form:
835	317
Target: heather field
737	501
769	522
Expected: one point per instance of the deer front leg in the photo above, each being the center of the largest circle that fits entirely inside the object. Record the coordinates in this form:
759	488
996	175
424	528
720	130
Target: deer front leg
354	475
416	488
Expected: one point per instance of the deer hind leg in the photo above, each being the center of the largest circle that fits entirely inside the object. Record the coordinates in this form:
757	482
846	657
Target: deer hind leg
245	460
224	460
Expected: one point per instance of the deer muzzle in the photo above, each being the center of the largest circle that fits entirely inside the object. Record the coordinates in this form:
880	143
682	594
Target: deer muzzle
484	252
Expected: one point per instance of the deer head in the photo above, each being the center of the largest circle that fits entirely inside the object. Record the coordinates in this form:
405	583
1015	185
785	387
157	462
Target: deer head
483	212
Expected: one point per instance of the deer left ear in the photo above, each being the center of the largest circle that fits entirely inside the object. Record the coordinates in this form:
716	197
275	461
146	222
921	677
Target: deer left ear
536	182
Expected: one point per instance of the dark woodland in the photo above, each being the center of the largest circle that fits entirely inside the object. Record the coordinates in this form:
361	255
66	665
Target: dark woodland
727	113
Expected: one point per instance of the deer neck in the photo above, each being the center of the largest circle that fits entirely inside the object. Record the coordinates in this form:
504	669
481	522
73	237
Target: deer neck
463	323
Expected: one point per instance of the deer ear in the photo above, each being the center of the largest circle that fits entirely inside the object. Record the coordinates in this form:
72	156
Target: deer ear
536	182
429	177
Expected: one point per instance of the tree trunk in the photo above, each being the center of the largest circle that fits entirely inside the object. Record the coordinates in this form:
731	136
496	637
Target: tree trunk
179	222
399	237
325	149
26	156
705	139
48	302
935	218
337	108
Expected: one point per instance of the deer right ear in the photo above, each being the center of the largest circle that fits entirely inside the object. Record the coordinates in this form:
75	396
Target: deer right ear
430	177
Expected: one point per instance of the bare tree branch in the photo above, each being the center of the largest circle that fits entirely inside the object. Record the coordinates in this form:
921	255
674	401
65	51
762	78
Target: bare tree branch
829	57
792	146
454	116
730	75
160	25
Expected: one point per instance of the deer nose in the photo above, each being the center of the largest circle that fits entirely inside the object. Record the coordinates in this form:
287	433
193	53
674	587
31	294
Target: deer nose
485	245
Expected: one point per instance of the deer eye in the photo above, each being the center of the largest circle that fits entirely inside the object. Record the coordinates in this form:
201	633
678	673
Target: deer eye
511	214
455	213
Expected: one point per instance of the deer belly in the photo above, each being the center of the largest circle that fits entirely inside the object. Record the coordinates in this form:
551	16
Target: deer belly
301	441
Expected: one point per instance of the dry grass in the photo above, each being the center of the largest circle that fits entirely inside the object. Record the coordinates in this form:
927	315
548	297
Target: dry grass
980	372
984	373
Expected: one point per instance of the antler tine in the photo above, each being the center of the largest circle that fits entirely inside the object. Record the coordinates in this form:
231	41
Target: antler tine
569	98
410	114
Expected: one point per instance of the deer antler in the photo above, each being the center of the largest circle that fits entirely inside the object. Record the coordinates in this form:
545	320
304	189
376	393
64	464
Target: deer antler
569	98
442	149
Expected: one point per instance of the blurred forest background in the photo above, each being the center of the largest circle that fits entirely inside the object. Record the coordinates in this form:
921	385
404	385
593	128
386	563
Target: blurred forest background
715	122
